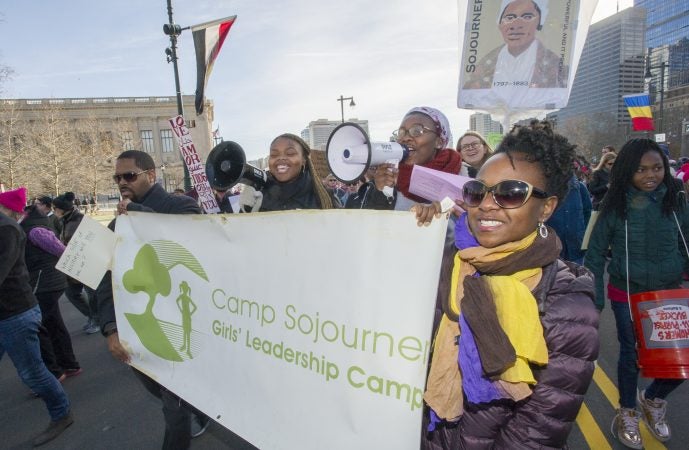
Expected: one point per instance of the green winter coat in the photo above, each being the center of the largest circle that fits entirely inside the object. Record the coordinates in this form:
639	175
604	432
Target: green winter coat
657	255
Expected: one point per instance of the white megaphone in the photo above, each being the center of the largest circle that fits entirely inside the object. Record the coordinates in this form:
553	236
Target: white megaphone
350	153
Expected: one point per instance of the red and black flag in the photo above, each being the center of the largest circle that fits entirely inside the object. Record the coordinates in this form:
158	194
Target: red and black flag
208	38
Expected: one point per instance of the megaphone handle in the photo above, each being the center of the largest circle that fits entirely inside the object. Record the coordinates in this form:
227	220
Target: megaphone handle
388	190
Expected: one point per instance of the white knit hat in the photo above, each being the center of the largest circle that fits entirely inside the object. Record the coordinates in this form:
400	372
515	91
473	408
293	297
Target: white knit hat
542	5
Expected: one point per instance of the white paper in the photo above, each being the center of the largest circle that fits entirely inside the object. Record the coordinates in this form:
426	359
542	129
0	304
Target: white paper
89	253
434	185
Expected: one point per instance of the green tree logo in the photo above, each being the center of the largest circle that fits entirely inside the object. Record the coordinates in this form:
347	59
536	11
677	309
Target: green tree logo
151	275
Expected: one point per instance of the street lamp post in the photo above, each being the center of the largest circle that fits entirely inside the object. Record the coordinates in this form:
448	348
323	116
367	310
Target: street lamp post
342	100
648	77
173	30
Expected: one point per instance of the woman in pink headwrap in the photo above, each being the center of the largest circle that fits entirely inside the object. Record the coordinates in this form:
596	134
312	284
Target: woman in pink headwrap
426	133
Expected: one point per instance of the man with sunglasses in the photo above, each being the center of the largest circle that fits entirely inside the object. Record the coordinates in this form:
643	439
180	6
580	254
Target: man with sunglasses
135	176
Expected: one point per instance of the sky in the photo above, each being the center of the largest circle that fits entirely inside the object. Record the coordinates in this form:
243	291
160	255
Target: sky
284	63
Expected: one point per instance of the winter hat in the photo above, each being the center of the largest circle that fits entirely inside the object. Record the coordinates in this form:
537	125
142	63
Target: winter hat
14	200
683	173
442	125
65	201
45	200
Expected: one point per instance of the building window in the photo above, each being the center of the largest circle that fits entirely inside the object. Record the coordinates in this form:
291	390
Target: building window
168	140
127	140
147	141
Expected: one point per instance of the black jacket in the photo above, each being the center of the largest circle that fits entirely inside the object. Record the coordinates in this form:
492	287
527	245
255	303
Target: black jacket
295	194
70	223
358	200
598	186
16	296
155	200
41	264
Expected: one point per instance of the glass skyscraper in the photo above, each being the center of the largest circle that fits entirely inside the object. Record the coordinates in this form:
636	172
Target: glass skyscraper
667	41
667	21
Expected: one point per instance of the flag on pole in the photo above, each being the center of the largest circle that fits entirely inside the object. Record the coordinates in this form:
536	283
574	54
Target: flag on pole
639	107
208	38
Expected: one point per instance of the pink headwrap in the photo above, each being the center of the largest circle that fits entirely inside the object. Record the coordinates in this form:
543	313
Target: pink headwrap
442	125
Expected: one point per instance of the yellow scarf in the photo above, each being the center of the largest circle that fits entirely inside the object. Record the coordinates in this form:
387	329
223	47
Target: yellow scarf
517	314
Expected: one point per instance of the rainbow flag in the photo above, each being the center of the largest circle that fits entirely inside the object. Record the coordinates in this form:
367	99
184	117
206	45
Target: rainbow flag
639	107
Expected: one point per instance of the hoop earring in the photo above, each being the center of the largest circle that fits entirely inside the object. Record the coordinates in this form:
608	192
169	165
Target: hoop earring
542	230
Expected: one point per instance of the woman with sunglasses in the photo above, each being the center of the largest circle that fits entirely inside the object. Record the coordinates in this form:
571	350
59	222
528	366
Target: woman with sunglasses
644	221
292	180
475	151
514	351
600	181
426	133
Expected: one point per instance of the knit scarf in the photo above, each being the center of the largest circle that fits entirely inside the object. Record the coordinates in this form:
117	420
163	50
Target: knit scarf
478	281
446	160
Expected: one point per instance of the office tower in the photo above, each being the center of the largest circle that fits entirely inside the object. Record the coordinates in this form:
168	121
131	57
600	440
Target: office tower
484	124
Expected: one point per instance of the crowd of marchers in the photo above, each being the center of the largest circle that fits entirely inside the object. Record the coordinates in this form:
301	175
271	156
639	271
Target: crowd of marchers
514	253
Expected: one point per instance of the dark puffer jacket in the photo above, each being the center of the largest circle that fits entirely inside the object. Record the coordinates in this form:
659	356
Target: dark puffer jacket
545	419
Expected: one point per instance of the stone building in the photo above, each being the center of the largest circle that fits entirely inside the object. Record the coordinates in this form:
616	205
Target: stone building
127	123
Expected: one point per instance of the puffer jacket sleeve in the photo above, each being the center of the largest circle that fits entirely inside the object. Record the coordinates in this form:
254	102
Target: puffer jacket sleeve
601	238
545	419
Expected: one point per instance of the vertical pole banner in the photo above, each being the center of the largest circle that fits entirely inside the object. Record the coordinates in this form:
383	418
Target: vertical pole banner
197	170
520	57
295	330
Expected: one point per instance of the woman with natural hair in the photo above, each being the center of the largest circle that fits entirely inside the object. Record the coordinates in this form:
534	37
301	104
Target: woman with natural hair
514	352
292	180
475	151
425	131
644	221
600	180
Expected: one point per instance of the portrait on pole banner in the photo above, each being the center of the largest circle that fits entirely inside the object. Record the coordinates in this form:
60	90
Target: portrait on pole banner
517	54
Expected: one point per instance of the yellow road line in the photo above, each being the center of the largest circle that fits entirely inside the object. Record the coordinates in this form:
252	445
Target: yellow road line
606	386
589	428
610	391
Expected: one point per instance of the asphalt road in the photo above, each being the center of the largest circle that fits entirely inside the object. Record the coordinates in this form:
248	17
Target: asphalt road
111	408
113	411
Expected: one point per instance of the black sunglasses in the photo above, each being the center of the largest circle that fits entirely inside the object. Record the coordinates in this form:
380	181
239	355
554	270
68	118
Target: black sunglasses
129	177
507	194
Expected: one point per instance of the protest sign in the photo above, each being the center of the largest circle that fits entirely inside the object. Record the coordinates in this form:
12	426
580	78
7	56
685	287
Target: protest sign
89	253
197	169
299	329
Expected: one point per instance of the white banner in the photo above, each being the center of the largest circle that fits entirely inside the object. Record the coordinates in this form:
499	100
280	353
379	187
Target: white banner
295	330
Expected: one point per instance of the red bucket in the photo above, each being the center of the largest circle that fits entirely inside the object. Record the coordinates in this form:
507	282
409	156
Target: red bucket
661	322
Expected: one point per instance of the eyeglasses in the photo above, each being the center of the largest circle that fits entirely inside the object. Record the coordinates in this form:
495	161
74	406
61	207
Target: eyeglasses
471	145
415	130
526	17
129	177
507	194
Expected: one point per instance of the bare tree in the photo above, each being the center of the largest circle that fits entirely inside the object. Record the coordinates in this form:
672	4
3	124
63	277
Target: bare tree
54	150
12	149
98	149
593	131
